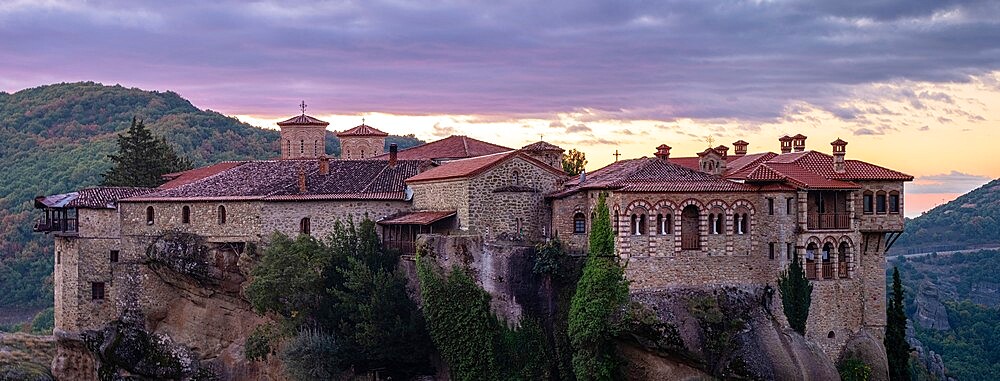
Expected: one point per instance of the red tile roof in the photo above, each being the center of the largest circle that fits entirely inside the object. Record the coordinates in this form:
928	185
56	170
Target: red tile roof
177	179
362	130
417	218
652	175
473	166
452	147
303	120
542	146
278	180
91	198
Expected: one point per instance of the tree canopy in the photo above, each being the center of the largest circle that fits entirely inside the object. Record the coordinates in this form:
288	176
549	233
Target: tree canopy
796	295
573	162
142	159
897	350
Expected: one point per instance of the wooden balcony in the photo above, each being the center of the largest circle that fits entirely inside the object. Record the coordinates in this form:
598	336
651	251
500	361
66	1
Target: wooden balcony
810	270
404	247
829	221
690	242
827	270
64	225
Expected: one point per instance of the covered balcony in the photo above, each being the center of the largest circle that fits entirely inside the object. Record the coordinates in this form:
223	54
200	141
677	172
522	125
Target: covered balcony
827	210
58	220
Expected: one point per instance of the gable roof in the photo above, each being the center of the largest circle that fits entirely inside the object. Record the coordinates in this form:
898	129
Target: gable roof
303	120
452	147
90	198
473	166
278	180
652	175
542	146
362	130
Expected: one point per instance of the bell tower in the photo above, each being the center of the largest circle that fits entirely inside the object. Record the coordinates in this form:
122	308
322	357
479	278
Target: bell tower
303	137
361	142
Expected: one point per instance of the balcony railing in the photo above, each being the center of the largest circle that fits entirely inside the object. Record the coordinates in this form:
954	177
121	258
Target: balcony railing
810	270
404	247
842	269
827	270
690	242
67	225
830	221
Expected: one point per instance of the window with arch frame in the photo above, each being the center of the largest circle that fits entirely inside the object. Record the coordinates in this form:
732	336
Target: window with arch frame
186	214
880	203
894	202
150	215
305	226
664	224
868	202
579	223
222	215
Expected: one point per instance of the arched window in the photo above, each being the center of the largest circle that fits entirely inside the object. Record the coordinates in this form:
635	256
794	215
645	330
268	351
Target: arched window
222	214
150	215
302	146
635	225
305	226
516	178
880	202
663	224
617	225
720	219
893	202
579	223
868	202
315	147
288	148
827	264
811	260
842	252
690	228
362	153
711	223
744	224
186	214
737	228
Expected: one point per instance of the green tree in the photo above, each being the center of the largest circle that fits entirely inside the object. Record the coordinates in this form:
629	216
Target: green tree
897	351
573	162
289	280
142	159
796	295
598	304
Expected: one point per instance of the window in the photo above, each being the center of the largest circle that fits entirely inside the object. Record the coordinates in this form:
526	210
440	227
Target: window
304	226
316	147
518	223
893	202
770	247
516	178
362	153
579	223
58	257
736	224
711	223
149	215
770	206
114	256
302	147
788	205
664	224
789	250
880	204
690	228
744	224
720	219
222	214
638	224
616	223
96	290
868	201
186	214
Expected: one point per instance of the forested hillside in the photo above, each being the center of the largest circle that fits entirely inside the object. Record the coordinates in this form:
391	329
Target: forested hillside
971	219
56	139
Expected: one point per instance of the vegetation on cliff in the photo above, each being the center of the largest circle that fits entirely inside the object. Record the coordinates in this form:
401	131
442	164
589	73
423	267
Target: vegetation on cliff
55	139
897	350
340	301
971	219
796	295
598	305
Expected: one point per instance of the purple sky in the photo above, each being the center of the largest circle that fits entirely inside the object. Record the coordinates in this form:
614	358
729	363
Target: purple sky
632	59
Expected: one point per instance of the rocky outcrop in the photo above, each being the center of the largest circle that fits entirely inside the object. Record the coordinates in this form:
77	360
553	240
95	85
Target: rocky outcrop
26	357
726	333
932	362
869	349
930	313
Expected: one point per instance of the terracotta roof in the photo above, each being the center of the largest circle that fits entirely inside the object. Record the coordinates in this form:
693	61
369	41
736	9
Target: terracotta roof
362	130
278	180
452	147
739	163
303	120
473	166
799	176
542	146
90	198
652	175
180	178
417	218
689	162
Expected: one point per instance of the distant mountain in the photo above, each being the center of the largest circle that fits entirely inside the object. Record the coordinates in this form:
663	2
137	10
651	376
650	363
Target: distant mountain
971	220
55	139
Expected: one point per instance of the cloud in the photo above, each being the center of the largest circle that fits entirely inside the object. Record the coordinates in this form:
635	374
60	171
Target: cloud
953	182
867	131
577	128
556	124
924	128
628	61
442	131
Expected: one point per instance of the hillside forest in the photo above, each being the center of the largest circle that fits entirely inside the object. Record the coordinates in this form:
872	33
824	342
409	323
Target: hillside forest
56	139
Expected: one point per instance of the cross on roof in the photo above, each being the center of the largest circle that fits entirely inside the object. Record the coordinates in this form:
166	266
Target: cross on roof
303	107
616	155
710	140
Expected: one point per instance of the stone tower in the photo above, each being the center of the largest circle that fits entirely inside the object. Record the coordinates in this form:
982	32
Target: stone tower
361	142
303	137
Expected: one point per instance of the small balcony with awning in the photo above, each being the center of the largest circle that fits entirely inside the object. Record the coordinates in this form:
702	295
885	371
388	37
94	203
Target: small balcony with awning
828	210
399	232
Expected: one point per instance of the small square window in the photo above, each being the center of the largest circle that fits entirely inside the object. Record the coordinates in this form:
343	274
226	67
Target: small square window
97	290
114	256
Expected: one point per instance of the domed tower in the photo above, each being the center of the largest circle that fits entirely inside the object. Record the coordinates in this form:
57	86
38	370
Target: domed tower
361	142
545	152
303	137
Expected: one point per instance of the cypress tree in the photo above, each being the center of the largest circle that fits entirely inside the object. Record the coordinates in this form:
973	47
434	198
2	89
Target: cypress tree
597	305
896	348
142	159
796	295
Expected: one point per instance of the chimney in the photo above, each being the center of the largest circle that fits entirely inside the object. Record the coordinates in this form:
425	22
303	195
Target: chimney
723	150
799	142
663	152
393	150
302	180
740	148
324	165
839	151
786	144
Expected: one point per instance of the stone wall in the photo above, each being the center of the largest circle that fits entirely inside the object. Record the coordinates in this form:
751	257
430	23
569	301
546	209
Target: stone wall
358	147
444	196
879	221
80	261
284	217
302	141
511	213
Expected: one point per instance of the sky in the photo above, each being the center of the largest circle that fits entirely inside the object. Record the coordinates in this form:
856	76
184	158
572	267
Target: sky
913	85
